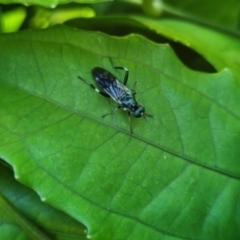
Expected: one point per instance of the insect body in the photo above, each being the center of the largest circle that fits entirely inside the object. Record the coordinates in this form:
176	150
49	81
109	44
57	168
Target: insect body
118	91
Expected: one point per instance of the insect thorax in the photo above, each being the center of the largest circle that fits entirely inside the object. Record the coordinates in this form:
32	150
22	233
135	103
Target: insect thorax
129	103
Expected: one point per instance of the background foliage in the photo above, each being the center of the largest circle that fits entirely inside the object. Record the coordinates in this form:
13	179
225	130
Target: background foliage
66	173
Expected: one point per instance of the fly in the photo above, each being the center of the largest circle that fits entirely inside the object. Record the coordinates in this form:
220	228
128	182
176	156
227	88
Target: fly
118	91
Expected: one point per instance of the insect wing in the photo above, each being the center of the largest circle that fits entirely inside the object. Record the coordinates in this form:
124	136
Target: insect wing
110	84
103	77
116	91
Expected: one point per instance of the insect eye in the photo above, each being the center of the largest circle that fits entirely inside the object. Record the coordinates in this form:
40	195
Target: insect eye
139	111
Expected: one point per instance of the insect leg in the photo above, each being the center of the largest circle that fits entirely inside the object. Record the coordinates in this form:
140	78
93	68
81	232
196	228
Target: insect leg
133	90
121	68
94	88
111	111
130	123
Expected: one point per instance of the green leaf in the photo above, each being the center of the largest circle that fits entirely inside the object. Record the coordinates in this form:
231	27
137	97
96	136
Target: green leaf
221	13
46	3
12	20
177	176
220	49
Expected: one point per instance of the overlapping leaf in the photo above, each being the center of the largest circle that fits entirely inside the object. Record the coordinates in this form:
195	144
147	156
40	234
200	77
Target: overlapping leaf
21	209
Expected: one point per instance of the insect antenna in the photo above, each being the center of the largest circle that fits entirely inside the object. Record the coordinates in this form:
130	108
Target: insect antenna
144	115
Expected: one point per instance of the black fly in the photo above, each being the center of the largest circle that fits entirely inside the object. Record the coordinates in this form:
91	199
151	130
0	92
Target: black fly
118	91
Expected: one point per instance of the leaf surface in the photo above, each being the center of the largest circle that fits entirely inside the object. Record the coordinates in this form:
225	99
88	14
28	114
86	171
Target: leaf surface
176	176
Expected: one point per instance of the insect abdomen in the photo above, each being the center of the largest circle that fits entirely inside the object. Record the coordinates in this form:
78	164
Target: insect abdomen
103	77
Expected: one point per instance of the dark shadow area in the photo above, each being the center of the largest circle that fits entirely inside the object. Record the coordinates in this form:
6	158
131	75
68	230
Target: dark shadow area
122	27
117	26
